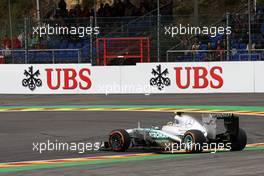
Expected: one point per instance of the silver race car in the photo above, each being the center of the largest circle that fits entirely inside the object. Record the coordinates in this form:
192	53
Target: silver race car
185	132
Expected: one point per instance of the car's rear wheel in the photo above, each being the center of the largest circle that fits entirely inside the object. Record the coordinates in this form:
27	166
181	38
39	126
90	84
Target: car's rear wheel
240	141
119	140
194	140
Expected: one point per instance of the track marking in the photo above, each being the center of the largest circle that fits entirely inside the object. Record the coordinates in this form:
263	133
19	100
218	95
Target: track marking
41	164
138	109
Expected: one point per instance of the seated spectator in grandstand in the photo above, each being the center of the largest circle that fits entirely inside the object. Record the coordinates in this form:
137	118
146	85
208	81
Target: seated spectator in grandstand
118	8
78	10
100	11
220	50
21	38
107	10
142	10
16	42
6	42
210	54
184	44
147	5
252	46
130	9
62	8
34	42
258	45
92	12
154	4
209	46
195	45
72	13
86	12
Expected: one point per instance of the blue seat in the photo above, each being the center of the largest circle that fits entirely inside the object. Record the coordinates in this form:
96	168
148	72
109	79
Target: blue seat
244	57
18	54
78	45
187	58
63	45
199	56
71	46
234	57
203	47
59	56
255	57
85	52
45	57
242	46
235	45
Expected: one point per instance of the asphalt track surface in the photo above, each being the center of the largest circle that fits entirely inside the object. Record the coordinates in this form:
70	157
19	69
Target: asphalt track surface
18	130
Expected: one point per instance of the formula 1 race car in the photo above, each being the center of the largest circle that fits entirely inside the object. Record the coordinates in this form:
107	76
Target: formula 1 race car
185	131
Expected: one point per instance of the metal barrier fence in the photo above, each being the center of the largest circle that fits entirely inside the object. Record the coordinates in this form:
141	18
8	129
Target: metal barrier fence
214	55
64	47
22	56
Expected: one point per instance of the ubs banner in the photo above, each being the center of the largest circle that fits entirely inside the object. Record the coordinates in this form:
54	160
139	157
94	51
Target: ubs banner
202	77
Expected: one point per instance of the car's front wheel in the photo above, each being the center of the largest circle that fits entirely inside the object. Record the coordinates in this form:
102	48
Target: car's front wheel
119	140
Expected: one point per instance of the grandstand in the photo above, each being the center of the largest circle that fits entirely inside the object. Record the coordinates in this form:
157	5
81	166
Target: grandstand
132	19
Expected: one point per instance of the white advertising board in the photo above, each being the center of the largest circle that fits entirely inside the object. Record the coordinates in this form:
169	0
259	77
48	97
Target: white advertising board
193	77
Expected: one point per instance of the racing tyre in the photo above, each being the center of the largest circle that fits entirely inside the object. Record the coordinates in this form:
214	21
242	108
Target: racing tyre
240	142
119	140
194	140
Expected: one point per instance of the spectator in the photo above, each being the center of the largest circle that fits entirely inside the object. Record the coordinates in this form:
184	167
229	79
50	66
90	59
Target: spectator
62	8
72	13
258	45
107	10
34	43
253	46
78	10
210	54
142	10
147	5
86	12
6	42
21	38
92	12
220	50
100	11
118	8
195	45
16	42
130	9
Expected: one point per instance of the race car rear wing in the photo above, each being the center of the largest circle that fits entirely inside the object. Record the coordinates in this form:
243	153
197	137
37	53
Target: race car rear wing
231	121
222	115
